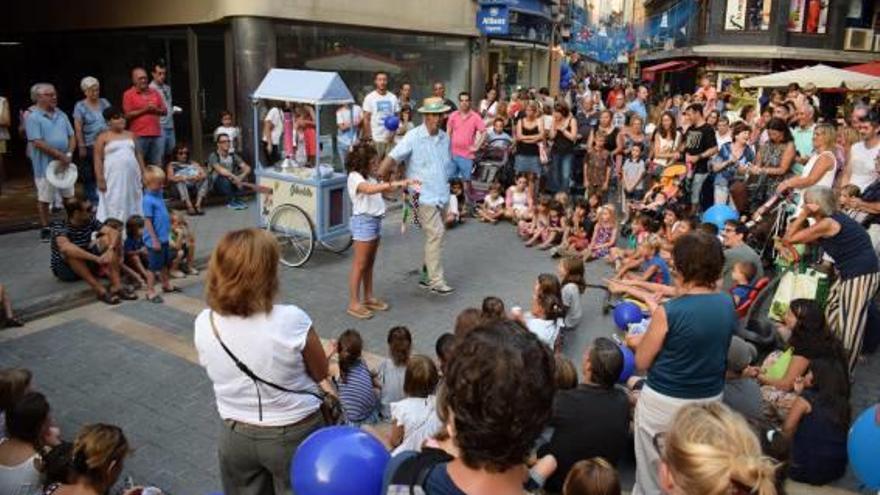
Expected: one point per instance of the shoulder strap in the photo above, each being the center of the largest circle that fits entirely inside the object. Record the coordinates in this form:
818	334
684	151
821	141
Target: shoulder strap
414	472
250	374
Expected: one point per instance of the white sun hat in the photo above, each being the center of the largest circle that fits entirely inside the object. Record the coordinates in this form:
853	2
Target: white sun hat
61	178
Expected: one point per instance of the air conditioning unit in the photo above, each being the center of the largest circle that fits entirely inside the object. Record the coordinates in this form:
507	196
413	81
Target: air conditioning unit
858	39
877	42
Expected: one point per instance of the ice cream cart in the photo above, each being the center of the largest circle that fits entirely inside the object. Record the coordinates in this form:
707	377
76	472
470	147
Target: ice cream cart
302	204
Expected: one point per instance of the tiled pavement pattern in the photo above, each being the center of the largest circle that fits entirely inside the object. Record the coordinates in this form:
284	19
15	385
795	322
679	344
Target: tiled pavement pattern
134	365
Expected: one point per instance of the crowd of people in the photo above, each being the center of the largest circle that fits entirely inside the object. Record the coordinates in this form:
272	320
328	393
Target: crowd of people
602	173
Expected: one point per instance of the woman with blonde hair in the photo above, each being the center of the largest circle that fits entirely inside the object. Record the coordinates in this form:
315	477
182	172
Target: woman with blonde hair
820	169
99	452
270	408
710	450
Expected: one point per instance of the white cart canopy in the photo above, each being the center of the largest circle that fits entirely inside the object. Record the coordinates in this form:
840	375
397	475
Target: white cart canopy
304	86
823	76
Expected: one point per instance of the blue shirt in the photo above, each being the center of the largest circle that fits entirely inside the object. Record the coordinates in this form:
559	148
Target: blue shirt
803	140
157	212
92	120
52	128
725	153
427	158
132	244
692	362
662	275
638	106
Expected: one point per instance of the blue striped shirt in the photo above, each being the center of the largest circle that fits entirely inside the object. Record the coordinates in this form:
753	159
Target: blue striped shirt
356	393
427	158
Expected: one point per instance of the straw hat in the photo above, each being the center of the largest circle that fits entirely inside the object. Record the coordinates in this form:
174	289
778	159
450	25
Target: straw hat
434	104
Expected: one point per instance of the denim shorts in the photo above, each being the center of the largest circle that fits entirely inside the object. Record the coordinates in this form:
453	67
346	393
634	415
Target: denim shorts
161	258
461	168
527	163
365	228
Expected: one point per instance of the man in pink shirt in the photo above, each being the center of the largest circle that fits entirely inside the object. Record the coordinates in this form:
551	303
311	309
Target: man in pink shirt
142	106
466	133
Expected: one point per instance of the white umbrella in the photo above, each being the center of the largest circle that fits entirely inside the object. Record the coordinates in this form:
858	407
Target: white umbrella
823	76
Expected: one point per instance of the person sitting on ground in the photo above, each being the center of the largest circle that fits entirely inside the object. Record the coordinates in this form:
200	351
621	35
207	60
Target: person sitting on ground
736	250
743	278
536	221
414	418
604	234
817	424
443	348
493	309
356	384
710	450
592	419
183	244
76	255
9	318
492	443
189	178
230	171
557	224
545	318
98	458
392	370
28	429
742	393
456	210
594	476
518	203
492	208
566	375
577	237
14	383
571	274
652	266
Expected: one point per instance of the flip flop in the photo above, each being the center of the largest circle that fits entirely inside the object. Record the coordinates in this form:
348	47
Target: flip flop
376	305
173	288
109	298
127	295
156	299
360	315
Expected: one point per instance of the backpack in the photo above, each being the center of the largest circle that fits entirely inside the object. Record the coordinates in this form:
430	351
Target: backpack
413	472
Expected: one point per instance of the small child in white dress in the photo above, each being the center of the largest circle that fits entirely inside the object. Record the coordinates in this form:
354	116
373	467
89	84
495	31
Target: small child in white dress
414	419
392	370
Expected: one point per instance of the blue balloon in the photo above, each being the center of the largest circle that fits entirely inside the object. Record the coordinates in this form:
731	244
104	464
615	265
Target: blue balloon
392	122
719	214
339	460
863	447
625	313
629	363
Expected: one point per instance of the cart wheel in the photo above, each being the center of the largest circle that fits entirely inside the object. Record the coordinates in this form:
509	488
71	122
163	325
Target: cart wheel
338	244
292	227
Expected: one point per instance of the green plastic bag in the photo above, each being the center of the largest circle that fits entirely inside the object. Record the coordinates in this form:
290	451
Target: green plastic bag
778	369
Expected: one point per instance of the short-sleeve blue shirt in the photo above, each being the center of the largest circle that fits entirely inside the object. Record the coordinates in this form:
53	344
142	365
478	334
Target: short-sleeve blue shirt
427	158
157	212
52	128
92	120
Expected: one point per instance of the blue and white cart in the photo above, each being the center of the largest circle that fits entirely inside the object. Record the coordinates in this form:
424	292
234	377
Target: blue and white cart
303	206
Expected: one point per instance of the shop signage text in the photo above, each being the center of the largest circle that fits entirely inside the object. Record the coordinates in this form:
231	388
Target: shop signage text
493	19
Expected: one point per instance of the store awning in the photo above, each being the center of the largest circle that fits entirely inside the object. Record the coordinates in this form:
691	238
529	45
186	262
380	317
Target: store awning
872	69
822	76
649	73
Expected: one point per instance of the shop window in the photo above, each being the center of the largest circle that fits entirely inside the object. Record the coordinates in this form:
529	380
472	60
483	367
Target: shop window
748	15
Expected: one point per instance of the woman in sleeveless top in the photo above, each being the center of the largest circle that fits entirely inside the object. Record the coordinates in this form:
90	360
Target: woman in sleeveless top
563	134
772	162
855	261
665	143
27	421
819	170
119	170
529	133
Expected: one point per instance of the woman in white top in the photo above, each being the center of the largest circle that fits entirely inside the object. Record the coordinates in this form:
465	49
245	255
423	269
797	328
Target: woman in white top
489	106
665	143
262	426
29	426
820	169
367	211
119	170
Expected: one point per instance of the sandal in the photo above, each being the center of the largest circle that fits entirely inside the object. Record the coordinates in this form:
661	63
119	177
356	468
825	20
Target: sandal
13	321
173	289
376	305
109	298
127	295
364	314
156	299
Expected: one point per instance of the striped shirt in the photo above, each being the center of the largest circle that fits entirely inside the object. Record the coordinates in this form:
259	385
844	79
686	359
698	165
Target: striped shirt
79	236
356	393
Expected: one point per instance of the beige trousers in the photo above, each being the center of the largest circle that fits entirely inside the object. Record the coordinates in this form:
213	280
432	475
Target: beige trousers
431	219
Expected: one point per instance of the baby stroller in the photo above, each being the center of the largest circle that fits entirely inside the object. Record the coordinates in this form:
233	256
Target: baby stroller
666	192
493	162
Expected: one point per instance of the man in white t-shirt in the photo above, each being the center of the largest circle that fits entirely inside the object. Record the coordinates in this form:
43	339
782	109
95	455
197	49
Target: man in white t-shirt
273	128
861	166
348	121
378	105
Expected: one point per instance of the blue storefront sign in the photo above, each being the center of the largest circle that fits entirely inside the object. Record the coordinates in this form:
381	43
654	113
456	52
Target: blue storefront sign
532	7
493	20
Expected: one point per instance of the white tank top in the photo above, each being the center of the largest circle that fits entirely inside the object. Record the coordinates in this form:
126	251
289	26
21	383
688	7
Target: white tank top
519	200
863	161
826	180
21	479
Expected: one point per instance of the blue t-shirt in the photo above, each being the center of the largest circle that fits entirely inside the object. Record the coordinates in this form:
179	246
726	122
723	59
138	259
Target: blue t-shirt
741	292
92	120
692	362
133	244
53	129
662	275
157	212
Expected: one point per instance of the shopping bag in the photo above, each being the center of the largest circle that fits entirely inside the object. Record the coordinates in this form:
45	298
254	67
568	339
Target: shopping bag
809	284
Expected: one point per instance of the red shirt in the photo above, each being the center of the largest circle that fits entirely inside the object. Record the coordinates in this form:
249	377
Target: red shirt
147	124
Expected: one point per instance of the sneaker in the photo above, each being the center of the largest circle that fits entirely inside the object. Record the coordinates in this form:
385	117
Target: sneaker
176	274
45	234
191	271
240	205
554	252
442	289
232	205
424	284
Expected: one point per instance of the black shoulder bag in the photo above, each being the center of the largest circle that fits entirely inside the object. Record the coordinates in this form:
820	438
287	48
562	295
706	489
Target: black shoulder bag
331	407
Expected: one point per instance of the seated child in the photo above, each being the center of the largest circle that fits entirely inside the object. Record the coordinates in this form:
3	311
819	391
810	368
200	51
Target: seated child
848	193
641	227
135	255
604	234
594	476
571	272
537	222
653	267
564	200
545	318
576	238
492	208
493	309
414	418
443	348
517	202
633	176
557	223
183	244
742	274
455	211
496	137
356	385
743	393
392	369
